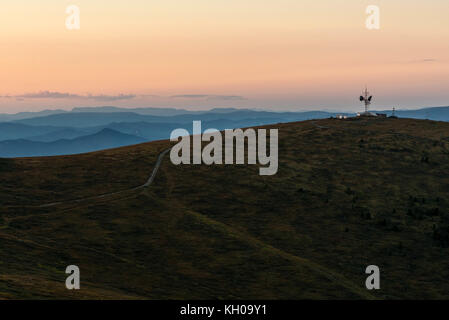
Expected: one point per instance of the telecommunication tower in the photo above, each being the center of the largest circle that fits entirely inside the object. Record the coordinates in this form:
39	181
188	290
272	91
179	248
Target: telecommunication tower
366	98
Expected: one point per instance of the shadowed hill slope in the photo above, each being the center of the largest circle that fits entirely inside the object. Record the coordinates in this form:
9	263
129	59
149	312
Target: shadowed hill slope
348	194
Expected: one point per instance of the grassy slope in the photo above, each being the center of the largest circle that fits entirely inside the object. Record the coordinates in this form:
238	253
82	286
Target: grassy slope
347	195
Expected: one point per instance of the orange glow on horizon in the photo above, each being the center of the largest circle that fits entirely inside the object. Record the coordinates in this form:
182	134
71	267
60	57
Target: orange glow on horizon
274	53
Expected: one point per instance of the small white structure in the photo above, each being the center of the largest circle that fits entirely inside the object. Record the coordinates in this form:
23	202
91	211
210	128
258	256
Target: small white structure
366	114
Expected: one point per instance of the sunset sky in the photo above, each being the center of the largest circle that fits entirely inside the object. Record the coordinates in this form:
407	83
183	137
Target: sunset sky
198	54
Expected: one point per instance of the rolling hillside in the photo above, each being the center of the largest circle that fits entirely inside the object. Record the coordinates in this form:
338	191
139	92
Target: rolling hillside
348	194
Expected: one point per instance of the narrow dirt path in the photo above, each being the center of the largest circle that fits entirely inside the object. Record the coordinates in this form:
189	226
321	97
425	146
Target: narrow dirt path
145	185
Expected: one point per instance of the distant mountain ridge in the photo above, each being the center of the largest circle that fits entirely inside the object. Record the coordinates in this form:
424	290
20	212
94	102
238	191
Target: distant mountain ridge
12	130
55	132
433	113
26	115
105	139
108	109
88	119
143	111
436	113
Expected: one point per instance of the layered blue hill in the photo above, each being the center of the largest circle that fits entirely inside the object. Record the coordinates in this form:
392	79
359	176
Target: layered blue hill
105	139
59	132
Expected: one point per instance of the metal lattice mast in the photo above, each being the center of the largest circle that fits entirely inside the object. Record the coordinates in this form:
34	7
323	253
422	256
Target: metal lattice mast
366	99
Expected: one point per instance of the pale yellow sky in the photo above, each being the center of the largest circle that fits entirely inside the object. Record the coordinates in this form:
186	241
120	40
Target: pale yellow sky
280	54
